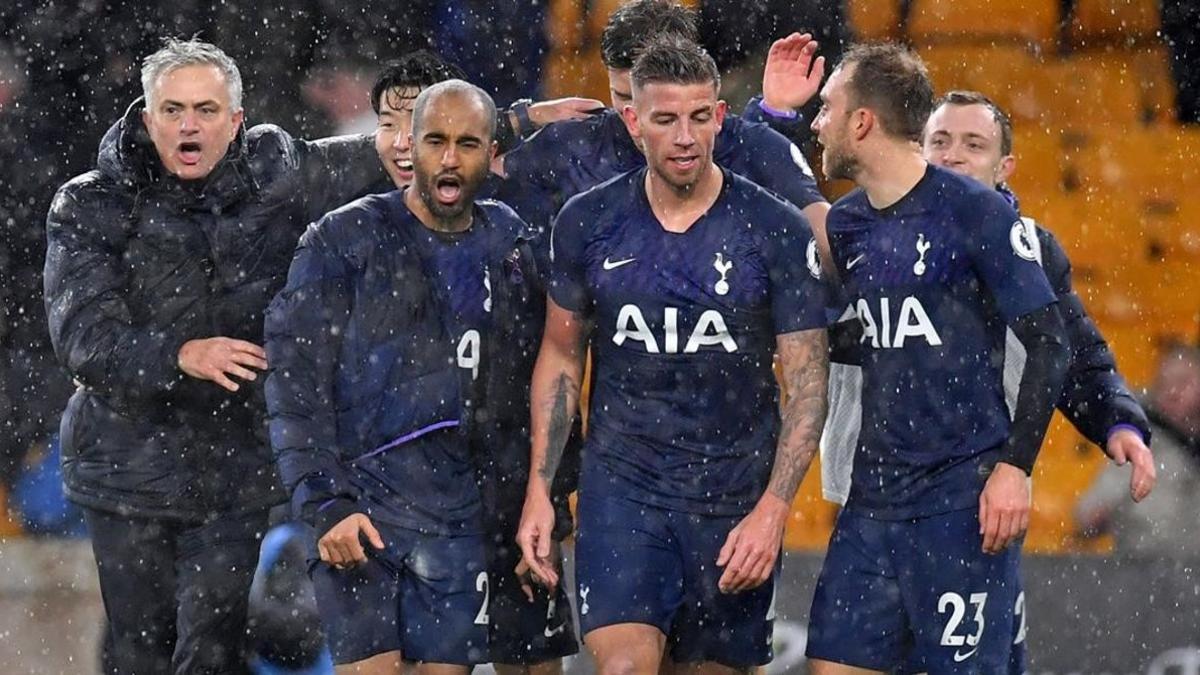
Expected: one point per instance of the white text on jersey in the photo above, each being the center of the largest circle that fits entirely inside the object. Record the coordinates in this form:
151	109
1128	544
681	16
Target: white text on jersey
710	329
913	322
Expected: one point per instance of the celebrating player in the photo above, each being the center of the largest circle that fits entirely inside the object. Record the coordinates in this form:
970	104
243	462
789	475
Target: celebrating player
566	158
684	278
970	134
380	345
922	567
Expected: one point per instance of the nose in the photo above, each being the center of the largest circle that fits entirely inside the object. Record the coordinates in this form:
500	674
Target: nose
187	123
684	136
952	155
401	141
450	156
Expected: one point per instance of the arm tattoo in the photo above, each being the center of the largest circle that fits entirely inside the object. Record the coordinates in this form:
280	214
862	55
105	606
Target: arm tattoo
560	426
804	356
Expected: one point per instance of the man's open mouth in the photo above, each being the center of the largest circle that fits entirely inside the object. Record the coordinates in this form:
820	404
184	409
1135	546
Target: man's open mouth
189	153
448	189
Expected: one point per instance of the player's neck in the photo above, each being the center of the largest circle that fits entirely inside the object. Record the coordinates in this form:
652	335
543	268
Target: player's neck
460	223
678	209
892	174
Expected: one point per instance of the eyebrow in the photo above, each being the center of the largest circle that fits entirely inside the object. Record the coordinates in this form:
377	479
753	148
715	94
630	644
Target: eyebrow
201	104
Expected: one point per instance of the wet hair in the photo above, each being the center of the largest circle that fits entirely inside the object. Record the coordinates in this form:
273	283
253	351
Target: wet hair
634	25
893	83
964	97
675	61
176	53
454	87
417	70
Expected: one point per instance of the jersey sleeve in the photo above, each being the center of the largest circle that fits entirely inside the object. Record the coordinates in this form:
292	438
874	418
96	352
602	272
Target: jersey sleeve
799	298
1005	254
778	165
568	287
541	160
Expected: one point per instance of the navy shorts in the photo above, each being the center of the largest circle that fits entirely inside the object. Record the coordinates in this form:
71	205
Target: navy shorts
524	632
642	564
424	595
917	596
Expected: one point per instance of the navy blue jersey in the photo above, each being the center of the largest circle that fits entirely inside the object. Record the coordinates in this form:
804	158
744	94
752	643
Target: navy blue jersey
566	158
934	280
457	266
684	410
367	402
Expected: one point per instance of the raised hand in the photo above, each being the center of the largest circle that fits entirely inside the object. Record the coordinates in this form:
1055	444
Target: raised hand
792	76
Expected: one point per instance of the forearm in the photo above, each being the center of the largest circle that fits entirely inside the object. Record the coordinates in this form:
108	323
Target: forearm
1094	396
1047	357
557	381
805	360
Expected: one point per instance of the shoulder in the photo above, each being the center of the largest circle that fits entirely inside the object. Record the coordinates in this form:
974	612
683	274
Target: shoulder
269	148
502	217
603	198
761	202
101	199
968	197
851	207
361	220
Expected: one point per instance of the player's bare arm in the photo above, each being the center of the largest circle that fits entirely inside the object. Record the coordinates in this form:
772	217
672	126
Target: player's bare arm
557	379
752	547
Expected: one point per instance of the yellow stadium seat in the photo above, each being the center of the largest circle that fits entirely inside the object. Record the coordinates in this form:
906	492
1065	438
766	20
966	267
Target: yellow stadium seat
1064	470
1039	168
1011	75
1108	20
875	19
1032	22
811	521
1117	87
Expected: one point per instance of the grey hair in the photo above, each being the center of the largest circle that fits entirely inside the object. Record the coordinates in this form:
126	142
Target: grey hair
176	53
454	87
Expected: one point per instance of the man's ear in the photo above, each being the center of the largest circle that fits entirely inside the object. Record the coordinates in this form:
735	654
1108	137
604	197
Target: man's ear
632	123
1006	168
721	111
238	118
862	121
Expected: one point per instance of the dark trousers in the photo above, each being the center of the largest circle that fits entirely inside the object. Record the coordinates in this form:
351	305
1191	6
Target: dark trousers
174	592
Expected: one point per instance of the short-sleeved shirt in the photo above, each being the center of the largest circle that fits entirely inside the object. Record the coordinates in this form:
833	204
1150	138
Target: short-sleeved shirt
684	407
566	158
934	280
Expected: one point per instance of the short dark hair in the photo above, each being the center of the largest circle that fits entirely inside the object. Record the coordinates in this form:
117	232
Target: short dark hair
454	87
675	61
634	25
418	70
966	97
892	81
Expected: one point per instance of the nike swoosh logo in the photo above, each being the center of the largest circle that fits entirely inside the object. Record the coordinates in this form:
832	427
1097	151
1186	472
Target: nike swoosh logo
959	658
551	633
614	264
854	261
